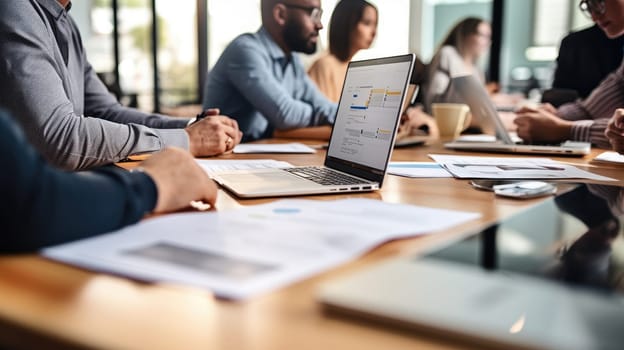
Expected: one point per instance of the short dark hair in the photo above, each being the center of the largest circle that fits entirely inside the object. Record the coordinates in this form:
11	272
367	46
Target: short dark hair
460	32
345	18
266	8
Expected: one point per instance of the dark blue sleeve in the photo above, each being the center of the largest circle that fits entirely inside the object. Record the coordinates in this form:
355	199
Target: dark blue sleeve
42	206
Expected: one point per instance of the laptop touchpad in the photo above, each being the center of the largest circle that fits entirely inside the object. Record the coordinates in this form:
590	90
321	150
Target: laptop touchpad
265	180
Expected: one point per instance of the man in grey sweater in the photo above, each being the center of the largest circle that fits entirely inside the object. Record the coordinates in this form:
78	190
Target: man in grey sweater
66	112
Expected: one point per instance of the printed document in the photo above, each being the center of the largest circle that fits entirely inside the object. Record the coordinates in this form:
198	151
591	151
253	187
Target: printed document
294	147
466	167
214	166
243	252
610	157
417	169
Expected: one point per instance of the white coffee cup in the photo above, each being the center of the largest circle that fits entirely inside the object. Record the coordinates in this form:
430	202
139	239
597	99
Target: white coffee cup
451	118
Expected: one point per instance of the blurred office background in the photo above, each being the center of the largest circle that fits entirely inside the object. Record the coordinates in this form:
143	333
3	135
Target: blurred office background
154	54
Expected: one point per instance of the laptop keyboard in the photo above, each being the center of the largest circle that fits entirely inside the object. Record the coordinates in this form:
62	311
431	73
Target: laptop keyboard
324	176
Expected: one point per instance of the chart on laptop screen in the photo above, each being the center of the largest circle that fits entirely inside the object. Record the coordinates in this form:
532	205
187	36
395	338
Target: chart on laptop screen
367	113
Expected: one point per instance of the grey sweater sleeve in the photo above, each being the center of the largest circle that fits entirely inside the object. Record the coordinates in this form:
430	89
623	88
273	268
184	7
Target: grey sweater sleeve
66	112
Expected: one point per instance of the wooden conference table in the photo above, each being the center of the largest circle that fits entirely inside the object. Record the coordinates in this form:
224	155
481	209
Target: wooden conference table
48	305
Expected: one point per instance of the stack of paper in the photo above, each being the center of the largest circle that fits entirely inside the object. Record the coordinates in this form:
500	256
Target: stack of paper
511	168
610	157
417	169
214	166
273	148
243	252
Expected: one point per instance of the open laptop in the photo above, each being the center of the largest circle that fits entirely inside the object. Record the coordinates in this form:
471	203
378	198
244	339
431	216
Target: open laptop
410	98
535	281
472	93
360	145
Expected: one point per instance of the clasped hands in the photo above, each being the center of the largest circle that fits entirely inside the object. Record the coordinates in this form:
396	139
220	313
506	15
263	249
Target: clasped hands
541	124
213	134
615	131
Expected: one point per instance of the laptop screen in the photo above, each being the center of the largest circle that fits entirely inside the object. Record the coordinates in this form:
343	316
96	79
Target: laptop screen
368	115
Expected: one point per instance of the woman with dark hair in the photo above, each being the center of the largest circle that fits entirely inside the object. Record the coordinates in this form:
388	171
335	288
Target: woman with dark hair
458	55
352	27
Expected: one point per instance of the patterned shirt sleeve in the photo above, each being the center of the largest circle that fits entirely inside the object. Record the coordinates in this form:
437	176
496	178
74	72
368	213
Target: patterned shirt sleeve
591	116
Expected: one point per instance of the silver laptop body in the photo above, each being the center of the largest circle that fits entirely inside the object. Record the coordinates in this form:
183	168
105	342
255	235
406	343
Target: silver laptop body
481	107
360	145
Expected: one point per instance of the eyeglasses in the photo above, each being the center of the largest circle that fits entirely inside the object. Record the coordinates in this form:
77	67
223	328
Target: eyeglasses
315	13
596	7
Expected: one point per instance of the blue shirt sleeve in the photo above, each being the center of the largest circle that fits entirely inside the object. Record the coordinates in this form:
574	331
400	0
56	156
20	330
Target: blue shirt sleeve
248	71
42	206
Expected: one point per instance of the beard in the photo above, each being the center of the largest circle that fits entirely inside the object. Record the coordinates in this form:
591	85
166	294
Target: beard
296	40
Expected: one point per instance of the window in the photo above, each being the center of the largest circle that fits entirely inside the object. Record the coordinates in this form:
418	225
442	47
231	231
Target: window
95	20
392	33
177	51
221	15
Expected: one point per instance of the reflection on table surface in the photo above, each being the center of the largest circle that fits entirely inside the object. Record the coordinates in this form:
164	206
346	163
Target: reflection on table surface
575	238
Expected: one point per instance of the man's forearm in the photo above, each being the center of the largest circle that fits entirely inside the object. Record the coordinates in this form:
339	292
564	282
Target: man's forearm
89	142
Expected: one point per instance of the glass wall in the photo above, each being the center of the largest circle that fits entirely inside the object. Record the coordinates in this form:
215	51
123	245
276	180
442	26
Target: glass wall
135	62
532	31
177	48
177	55
229	19
531	34
177	51
95	20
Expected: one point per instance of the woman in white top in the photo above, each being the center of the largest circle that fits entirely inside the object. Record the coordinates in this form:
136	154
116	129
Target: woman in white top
458	55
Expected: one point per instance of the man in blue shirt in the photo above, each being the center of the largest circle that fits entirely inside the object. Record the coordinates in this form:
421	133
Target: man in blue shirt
260	82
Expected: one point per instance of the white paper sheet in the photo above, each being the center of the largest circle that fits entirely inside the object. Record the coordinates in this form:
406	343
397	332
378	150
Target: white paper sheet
240	253
476	138
213	166
418	169
273	148
485	138
610	157
466	167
